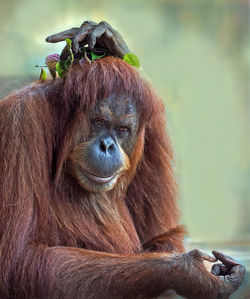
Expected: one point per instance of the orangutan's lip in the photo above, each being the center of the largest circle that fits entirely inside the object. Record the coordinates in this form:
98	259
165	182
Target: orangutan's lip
98	179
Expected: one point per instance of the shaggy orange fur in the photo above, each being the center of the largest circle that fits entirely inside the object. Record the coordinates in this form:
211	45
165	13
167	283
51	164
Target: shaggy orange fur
59	240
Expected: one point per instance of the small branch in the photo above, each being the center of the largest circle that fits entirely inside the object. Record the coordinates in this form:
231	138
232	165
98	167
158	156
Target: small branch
86	57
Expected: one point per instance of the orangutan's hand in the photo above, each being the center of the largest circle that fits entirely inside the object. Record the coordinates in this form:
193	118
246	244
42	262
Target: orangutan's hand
100	35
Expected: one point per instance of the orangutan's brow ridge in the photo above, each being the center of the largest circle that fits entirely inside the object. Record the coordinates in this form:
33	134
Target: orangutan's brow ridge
106	111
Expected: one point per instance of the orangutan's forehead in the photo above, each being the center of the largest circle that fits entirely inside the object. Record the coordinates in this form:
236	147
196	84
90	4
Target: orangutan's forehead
116	106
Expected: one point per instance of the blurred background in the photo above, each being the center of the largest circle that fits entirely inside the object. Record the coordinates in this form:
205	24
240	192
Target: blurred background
197	55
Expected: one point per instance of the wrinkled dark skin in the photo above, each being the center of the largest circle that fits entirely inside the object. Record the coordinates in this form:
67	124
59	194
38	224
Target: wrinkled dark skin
114	123
187	274
224	279
100	35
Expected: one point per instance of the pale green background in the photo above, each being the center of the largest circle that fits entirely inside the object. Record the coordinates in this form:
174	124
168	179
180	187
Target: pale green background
197	55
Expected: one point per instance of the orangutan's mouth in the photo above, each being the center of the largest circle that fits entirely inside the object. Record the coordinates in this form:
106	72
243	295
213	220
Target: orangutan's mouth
98	179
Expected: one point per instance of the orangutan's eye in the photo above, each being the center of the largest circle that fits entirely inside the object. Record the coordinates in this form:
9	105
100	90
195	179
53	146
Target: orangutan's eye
100	122
123	129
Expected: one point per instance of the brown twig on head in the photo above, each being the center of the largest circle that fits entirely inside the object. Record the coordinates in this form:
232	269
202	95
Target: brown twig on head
86	57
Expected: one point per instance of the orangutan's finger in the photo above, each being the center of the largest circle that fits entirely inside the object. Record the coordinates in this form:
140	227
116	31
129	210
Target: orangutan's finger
61	36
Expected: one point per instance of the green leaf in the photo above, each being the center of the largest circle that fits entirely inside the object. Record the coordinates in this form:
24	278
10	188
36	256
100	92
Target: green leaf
132	59
69	44
94	56
62	67
43	75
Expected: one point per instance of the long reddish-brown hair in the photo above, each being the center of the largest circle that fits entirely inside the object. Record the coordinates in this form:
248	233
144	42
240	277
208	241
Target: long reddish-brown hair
40	203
